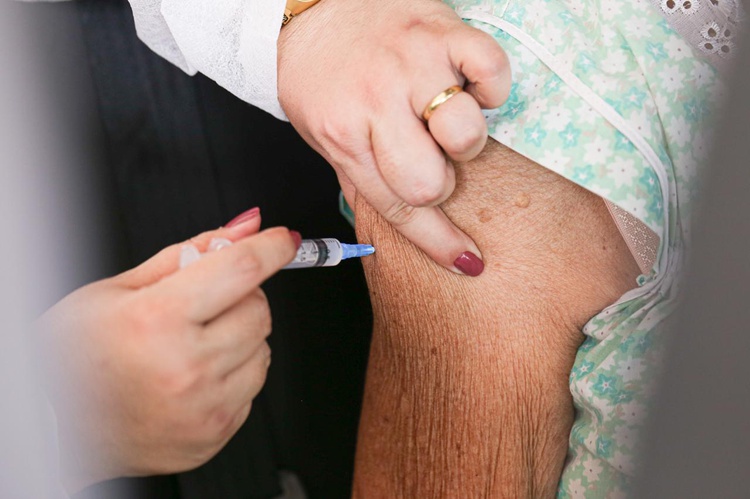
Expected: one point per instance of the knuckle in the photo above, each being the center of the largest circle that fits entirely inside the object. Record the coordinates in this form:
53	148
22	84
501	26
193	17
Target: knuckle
465	139
426	193
336	132
202	239
249	264
265	320
401	213
205	453
259	320
147	315
494	61
262	366
223	423
183	376
177	381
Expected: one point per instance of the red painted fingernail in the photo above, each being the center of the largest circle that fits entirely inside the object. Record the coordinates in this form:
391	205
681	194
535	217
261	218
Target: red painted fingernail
243	217
469	264
297	238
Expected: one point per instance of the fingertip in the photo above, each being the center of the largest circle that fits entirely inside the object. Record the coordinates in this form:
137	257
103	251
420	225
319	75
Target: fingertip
468	263
297	237
292	242
491	93
244	217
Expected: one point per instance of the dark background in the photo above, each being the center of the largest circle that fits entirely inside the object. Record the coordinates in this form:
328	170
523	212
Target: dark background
697	444
173	156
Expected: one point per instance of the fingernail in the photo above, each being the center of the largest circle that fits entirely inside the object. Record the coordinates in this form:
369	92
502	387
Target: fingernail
243	217
218	243
189	254
297	238
469	264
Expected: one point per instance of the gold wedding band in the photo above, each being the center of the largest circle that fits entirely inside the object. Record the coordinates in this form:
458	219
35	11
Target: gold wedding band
441	99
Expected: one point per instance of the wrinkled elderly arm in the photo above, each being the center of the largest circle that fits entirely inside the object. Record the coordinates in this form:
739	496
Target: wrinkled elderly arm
467	383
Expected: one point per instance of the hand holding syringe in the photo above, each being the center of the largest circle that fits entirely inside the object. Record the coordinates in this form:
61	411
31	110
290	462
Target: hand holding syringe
327	252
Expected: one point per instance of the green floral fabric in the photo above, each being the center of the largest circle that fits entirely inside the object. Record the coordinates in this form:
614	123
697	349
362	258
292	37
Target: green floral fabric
606	94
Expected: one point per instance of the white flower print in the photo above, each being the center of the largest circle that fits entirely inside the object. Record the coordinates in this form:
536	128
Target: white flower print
607	364
597	152
679	130
640	119
555	160
637	206
622	171
530	84
636	29
567	57
703	74
586	115
592	468
578	41
505	132
526	56
631	369
552	37
537	108
614	63
677	49
534	17
576	489
577	7
611	10
633	412
626	435
608	36
672	78
602	83
700	147
688	166
558	117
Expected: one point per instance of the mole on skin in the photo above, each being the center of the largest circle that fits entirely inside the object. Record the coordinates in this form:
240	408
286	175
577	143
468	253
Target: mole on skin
522	200
484	216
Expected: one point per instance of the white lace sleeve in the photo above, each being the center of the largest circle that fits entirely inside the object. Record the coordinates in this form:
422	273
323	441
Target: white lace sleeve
231	41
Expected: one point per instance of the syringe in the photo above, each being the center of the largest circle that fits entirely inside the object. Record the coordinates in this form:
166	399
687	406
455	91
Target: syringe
327	253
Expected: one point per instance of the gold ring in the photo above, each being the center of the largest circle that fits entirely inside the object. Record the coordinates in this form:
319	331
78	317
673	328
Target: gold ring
441	99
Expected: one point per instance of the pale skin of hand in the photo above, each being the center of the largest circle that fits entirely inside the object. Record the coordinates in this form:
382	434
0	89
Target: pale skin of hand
354	79
467	383
153	371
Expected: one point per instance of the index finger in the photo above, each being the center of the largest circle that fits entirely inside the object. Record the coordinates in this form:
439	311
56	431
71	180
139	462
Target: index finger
409	160
426	227
212	285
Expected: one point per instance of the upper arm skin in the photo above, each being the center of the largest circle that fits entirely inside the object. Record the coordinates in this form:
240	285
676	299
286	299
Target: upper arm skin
466	392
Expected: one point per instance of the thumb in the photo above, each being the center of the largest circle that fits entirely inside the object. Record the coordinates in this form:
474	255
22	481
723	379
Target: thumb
167	261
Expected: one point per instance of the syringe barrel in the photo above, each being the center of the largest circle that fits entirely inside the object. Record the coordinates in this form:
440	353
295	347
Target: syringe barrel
317	253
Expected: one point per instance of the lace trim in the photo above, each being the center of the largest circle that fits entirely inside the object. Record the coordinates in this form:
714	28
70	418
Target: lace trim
708	25
642	241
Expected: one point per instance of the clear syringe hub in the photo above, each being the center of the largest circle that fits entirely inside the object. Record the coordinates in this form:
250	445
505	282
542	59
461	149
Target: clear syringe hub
327	253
